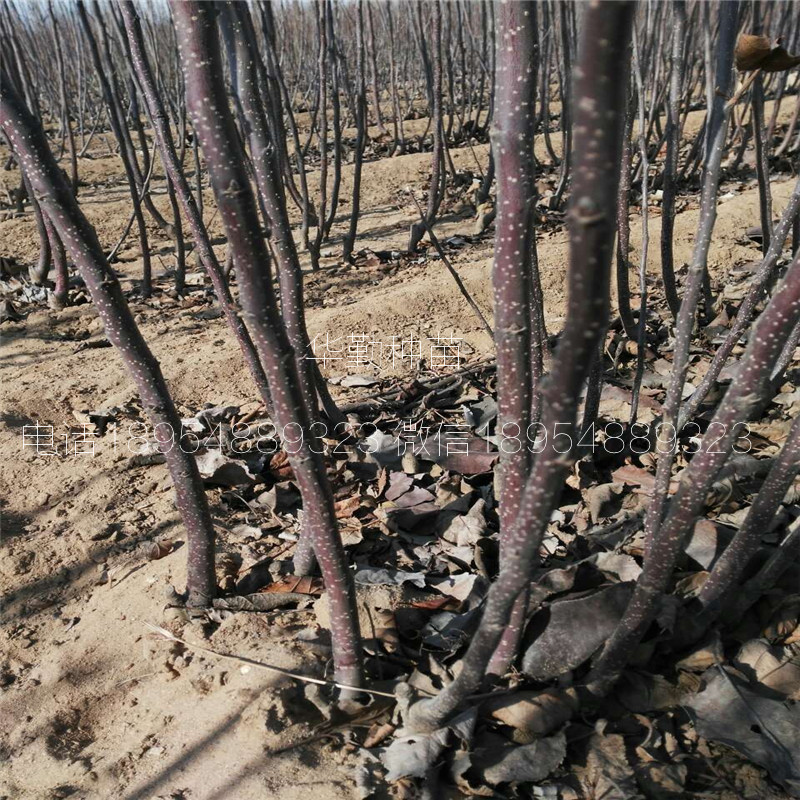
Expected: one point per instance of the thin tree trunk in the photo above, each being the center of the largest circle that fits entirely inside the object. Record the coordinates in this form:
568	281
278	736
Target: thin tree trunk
641	336
59	265
373	63
512	145
599	103
39	273
762	163
200	57
62	88
361	134
80	238
718	125
163	136
435	191
672	133
624	227
272	196
117	125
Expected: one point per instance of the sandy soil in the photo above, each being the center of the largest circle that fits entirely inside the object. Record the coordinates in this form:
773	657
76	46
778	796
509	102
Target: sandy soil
93	704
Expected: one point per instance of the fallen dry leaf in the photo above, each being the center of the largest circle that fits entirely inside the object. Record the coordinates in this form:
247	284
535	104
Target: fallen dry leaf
347	507
158	550
311	586
608	773
280	467
765	730
532	713
566	633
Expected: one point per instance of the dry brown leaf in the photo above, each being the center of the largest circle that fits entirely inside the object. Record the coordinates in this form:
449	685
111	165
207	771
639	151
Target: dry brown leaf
227	570
635	476
661	779
563	635
498	762
295	585
761	52
704	655
347	507
383	479
377	733
437	604
642	692
777	668
597	499
158	550
784	621
280	467
607	773
399	484
533	713
739	714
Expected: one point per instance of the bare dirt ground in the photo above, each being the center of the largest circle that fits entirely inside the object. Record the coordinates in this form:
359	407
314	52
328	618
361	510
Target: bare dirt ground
93	705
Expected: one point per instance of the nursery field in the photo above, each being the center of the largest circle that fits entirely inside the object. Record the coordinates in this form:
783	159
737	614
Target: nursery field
399	400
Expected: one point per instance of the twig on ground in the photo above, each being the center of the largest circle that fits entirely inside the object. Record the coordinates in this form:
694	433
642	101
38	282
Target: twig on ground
446	261
268	667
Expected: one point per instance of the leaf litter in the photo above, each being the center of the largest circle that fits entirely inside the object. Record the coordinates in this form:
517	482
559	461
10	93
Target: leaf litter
418	516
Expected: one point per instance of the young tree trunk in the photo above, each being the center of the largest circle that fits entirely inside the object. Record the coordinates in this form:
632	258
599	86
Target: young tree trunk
762	163
373	63
290	277
283	101
512	145
672	135
761	141
59	265
38	274
361	134
336	119
624	227
117	125
698	269
322	133
208	105
62	88
599	113
565	74
641	336
169	158
399	146
198	173
60	205
436	190
763	350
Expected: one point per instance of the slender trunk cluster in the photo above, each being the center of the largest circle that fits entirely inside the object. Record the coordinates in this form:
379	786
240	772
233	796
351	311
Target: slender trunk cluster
698	269
266	94
208	106
763	350
163	136
264	150
117	119
672	136
599	113
438	173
